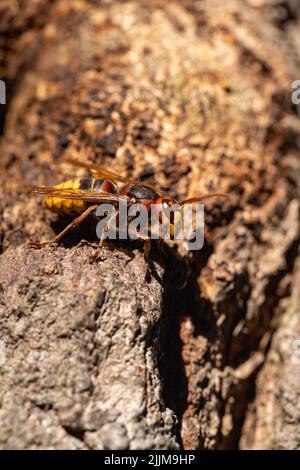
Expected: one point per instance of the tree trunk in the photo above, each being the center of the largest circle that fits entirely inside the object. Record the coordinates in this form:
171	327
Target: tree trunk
191	97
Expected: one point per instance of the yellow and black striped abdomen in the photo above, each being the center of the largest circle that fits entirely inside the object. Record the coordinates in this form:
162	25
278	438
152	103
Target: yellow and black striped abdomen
74	206
66	206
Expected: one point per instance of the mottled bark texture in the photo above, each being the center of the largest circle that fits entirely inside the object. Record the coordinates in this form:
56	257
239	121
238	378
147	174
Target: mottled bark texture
192	97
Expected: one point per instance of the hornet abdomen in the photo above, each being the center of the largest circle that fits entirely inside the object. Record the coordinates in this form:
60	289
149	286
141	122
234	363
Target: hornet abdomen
74	206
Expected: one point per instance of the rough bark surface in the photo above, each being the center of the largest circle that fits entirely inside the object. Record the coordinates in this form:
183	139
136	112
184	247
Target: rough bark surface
81	352
272	420
192	97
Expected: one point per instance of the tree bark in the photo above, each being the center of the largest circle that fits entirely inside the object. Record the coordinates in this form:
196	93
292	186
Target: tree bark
192	97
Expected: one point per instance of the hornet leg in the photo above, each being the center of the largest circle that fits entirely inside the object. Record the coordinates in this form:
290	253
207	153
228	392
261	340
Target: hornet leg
106	228
75	223
147	248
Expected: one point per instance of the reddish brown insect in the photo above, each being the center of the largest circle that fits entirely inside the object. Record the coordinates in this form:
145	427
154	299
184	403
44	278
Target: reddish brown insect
82	196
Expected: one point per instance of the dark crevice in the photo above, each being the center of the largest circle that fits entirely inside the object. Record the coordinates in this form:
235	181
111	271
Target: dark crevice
180	300
170	363
76	432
